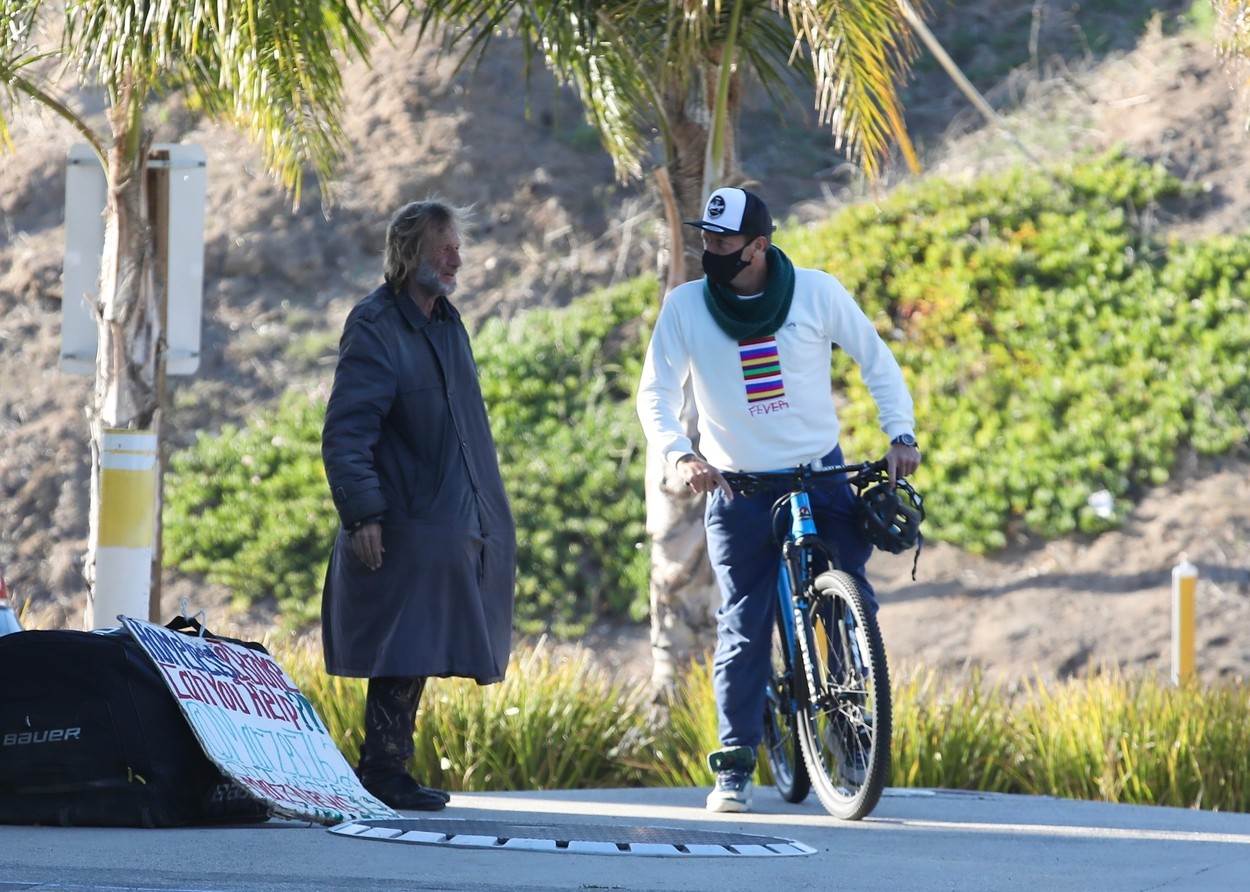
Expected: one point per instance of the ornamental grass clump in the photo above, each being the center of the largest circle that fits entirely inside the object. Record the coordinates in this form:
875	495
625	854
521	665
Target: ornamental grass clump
954	734
556	722
565	723
1134	739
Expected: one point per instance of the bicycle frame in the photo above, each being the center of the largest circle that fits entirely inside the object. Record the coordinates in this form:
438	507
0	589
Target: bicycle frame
794	576
802	526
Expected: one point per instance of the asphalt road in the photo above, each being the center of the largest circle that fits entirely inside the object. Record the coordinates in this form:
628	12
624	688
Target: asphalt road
916	840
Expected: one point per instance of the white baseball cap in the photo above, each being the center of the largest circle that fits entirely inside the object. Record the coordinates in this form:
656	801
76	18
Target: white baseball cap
735	212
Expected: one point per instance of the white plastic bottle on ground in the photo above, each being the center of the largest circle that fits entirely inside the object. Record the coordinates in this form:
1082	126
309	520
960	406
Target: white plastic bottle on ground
8	619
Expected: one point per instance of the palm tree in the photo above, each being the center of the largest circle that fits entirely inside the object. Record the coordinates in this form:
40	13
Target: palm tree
675	67
271	68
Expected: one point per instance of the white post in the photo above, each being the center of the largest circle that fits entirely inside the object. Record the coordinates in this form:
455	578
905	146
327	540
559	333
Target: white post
1184	586
127	527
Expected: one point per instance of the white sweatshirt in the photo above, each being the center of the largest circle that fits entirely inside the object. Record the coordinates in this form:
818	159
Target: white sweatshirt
765	404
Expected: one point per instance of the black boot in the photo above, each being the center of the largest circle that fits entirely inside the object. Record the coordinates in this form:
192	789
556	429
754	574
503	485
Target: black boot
390	713
402	793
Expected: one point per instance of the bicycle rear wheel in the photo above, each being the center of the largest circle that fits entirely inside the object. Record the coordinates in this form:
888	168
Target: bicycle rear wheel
781	742
844	723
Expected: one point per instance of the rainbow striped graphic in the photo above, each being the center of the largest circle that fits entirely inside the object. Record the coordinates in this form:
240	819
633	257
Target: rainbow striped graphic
761	369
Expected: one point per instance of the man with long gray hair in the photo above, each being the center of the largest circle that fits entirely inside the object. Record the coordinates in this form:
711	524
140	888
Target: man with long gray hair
421	578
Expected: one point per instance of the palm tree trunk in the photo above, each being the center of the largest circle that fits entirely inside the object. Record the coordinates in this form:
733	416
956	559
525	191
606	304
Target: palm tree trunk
128	324
689	119
676	274
684	596
683	591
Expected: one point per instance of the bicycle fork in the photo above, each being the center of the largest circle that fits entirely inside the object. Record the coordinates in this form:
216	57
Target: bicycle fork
793	578
793	584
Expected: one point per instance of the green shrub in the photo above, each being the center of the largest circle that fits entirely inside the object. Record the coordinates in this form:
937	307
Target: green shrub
1113	738
250	508
1118	739
1054	349
677	756
560	384
950	736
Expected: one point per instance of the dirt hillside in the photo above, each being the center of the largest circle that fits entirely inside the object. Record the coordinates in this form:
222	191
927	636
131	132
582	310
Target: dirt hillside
551	222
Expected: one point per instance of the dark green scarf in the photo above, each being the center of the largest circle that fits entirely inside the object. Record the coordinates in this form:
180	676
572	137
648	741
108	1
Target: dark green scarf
760	316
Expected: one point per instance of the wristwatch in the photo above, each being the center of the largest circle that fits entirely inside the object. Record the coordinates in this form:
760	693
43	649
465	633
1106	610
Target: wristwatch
905	440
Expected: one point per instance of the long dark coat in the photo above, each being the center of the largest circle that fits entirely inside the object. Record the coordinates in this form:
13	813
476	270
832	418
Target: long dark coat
407	440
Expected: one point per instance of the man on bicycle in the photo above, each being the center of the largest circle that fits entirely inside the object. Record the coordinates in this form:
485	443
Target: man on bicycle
754	337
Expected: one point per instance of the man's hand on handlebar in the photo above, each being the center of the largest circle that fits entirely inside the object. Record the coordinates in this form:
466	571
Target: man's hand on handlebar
901	461
701	477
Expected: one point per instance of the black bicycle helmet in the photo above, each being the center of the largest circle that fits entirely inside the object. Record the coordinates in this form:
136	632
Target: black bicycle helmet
890	518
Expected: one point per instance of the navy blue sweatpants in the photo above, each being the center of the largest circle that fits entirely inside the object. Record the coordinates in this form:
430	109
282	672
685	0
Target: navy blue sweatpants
746	560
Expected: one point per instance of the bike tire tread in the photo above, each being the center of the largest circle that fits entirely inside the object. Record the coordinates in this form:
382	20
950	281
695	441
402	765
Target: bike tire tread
869	794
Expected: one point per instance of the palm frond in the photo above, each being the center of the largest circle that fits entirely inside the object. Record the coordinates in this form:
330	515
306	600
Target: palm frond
272	68
622	57
16	21
860	51
17	55
767	45
13	83
608	71
467	25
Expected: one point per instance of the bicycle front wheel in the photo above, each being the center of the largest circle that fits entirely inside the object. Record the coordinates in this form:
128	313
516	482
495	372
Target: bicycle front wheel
781	741
844	722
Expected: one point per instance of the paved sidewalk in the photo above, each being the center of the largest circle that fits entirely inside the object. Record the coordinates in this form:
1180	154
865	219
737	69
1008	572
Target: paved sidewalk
916	840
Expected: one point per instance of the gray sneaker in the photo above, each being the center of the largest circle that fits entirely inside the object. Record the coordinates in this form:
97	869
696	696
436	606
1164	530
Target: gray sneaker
734	767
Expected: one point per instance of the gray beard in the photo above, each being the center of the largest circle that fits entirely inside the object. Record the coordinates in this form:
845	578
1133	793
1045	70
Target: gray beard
426	278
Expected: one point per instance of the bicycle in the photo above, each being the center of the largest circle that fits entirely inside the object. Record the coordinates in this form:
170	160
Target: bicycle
827	720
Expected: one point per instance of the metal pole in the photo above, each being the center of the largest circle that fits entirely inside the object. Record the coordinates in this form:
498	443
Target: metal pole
158	219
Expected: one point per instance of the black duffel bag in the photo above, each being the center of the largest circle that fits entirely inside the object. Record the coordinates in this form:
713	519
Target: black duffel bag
90	735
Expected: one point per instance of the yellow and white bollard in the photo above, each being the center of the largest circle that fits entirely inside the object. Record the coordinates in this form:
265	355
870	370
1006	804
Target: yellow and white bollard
123	569
1184	586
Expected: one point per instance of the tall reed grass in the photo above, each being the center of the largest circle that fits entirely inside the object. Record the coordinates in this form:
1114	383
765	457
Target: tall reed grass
1122	739
676	753
554	723
565	723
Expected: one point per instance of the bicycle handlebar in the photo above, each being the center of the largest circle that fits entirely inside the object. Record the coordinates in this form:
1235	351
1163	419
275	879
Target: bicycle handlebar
740	481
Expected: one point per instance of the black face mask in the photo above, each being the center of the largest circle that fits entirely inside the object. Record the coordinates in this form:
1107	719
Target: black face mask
724	268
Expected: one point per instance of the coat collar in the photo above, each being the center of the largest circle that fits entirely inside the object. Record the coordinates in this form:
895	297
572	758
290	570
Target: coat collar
443	309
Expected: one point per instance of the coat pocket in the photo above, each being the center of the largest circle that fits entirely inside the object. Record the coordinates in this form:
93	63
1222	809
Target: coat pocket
422	421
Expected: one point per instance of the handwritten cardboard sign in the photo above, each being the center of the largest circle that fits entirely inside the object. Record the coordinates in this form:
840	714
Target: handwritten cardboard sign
256	726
